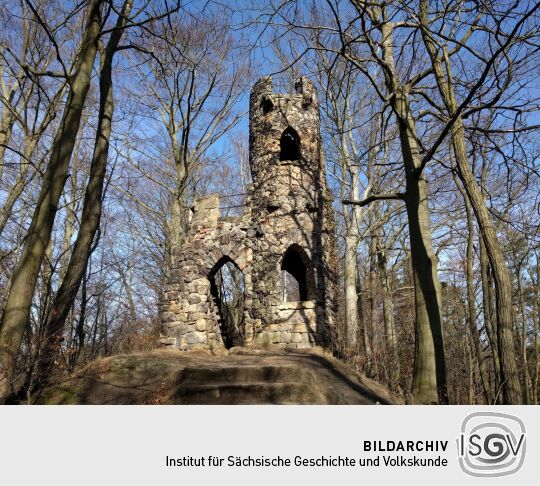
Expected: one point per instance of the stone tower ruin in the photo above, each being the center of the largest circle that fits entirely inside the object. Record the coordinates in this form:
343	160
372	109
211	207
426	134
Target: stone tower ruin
283	240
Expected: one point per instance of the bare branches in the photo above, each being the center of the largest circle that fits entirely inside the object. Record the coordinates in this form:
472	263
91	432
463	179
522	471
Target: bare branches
375	197
457	112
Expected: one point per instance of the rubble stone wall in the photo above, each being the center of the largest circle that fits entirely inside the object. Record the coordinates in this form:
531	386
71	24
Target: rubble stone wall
287	208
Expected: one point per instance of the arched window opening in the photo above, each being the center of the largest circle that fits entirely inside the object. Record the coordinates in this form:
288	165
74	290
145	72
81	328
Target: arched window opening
289	145
227	289
267	106
294	275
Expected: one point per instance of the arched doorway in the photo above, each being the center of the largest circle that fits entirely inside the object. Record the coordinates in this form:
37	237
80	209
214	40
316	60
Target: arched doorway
227	289
289	144
296	275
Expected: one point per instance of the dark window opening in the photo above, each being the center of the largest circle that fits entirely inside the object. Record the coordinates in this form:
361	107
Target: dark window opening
289	145
294	275
227	289
267	105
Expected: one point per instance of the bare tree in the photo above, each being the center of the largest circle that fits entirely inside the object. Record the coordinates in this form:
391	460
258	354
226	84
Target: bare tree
91	212
190	78
17	308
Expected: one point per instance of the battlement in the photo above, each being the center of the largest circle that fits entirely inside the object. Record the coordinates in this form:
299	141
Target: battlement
205	210
268	89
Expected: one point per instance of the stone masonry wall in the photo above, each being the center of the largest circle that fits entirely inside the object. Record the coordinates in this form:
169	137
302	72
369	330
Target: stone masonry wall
287	208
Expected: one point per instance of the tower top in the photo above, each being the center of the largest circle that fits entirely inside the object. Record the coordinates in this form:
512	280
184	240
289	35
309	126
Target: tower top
268	87
283	127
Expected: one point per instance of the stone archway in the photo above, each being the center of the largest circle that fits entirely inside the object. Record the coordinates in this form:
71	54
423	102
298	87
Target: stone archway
296	275
227	291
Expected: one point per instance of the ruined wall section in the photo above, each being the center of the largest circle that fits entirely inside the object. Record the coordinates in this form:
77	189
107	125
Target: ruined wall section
188	313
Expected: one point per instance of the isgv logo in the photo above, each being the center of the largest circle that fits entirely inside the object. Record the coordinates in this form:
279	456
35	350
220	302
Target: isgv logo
491	444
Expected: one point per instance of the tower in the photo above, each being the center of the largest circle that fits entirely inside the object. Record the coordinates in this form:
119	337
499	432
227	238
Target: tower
291	208
283	243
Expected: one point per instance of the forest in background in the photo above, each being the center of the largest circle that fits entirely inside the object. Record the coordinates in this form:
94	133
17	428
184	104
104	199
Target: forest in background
115	115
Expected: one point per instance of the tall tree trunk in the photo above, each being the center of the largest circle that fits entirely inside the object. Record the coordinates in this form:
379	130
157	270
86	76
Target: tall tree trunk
352	238
523	343
536	316
80	332
470	368
91	212
488	308
429	380
388	316
361	315
511	386
351	297
70	219
176	228
19	300
429	383
471	308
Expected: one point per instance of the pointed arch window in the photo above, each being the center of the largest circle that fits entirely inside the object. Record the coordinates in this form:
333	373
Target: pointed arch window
289	145
227	288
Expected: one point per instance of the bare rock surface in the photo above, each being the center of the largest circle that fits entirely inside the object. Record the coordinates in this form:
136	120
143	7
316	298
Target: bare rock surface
239	376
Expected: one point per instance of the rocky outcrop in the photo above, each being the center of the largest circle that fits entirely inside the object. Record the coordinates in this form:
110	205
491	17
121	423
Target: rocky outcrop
238	376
